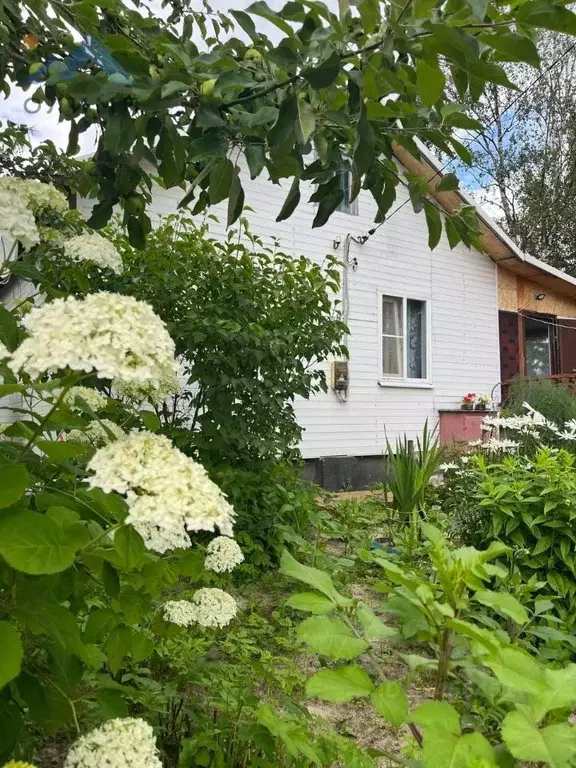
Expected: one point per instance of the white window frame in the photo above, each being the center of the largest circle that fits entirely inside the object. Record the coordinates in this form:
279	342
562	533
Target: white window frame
390	380
350	208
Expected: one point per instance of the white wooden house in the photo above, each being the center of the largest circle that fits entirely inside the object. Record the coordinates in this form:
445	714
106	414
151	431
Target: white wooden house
424	325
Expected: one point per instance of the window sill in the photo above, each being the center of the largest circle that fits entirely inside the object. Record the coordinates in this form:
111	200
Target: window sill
405	383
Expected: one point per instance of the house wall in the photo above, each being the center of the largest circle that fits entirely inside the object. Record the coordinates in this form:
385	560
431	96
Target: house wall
516	294
460	284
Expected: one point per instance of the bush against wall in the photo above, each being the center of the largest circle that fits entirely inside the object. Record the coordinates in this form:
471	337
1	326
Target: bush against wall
554	401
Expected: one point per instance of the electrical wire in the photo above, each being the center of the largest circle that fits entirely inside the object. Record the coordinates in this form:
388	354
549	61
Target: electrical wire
482	132
546	322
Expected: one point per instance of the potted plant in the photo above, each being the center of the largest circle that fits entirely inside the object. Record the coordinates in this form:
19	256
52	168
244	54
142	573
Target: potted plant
468	401
483	402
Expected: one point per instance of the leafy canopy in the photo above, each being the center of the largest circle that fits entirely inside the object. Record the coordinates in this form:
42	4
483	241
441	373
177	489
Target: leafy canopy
349	87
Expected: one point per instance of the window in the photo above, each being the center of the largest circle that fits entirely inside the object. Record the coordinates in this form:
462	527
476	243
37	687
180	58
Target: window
538	348
347	205
404	338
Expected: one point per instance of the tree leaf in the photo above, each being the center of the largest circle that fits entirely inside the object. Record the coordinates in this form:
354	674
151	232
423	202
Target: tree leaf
547	15
310	602
235	199
503	603
35	543
330	636
8	329
306	122
283	129
447	183
391	702
11	654
14	480
512	47
437	715
255	157
262	9
374	628
343	684
313	577
291	202
59	450
554	745
516	669
434	223
364	151
325	73
327	206
220	180
129	546
430	81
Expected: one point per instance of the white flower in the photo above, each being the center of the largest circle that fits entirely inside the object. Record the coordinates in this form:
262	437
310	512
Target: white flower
464	459
38	196
222	554
93	247
166	388
475	443
115	336
3	352
181	612
448	466
493	445
77	396
16	219
168	493
97	433
213	607
121	743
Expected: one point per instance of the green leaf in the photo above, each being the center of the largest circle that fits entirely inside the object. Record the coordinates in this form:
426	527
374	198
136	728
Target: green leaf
8	329
35	543
444	749
512	47
313	577
129	546
150	420
365	148
327	206
437	715
14	480
374	628
391	702
310	602
503	603
261	8
235	199
283	129
330	636
514	668
343	684
323	75
448	183
220	180
547	15
11	653
291	202
434	223
255	157
554	745
305	122
430	81
59	450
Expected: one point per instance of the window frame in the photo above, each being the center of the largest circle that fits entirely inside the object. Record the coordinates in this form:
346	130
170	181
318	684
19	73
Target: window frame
402	380
349	208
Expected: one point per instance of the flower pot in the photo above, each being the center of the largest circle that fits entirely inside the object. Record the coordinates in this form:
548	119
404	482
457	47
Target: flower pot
467	406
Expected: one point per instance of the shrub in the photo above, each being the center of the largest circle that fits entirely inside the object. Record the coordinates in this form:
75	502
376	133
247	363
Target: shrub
554	401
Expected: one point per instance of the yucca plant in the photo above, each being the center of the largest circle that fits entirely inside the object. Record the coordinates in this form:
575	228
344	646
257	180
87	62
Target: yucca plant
409	470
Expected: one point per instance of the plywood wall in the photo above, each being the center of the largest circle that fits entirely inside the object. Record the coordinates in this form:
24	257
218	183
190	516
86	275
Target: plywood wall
516	294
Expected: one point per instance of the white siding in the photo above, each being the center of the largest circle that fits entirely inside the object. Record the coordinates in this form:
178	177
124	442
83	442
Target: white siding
460	284
11	295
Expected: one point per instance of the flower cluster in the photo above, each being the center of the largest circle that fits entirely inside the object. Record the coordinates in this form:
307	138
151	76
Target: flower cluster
37	196
3	352
97	433
123	743
17	222
448	466
95	248
168	493
223	554
78	397
208	607
115	336
469	400
493	445
164	390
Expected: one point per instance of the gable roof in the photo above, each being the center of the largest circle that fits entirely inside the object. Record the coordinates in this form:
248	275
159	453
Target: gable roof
497	244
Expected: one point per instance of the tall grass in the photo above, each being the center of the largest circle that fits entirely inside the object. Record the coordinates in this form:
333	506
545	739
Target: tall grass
555	401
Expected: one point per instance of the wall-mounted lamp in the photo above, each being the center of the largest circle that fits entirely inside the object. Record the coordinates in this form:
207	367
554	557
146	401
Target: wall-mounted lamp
540	296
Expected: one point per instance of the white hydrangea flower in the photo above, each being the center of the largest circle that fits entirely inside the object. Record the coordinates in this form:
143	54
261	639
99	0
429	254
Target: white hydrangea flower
97	433
95	248
17	221
37	195
115	336
180	612
213	607
3	352
166	388
91	397
223	554
127	742
168	493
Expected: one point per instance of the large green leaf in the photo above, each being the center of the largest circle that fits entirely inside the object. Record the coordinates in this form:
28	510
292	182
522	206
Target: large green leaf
512	47
554	745
8	329
235	199
320	580
443	749
434	222
516	669
330	636
310	602
547	15
11	653
430	81
129	546
325	73
503	603
364	151
59	450
36	543
14	480
343	684
391	702
434	715
220	180
306	121
374	628
291	202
